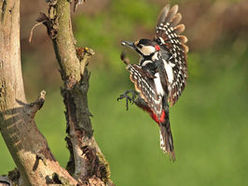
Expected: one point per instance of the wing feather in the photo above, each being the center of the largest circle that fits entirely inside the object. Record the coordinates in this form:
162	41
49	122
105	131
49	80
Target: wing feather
168	35
146	87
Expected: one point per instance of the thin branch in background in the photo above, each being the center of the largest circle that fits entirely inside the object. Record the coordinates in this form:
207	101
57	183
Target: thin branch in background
32	30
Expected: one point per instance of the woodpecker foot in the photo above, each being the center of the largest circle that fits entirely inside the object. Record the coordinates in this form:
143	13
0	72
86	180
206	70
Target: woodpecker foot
130	99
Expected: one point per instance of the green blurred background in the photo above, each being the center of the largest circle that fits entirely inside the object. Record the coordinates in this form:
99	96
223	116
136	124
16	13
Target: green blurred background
209	122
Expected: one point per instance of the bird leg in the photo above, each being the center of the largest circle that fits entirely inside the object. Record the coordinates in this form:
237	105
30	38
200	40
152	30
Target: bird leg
130	99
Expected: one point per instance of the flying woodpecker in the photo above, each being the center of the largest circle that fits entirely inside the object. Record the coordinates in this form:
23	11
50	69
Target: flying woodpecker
160	76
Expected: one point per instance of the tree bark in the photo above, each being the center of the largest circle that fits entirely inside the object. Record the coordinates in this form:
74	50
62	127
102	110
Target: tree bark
26	144
28	147
87	162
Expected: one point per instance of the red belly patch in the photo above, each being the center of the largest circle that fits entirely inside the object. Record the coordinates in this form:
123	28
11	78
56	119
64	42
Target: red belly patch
158	120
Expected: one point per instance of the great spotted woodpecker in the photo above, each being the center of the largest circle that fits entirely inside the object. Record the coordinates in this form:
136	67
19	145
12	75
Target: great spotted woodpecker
160	76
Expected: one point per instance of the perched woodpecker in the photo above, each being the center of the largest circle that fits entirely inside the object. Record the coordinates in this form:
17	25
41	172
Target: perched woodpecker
161	74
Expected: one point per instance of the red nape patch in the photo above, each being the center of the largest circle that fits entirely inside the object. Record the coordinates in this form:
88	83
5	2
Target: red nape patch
157	47
158	120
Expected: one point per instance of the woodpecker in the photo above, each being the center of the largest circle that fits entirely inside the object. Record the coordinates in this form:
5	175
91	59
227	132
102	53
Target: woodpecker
161	74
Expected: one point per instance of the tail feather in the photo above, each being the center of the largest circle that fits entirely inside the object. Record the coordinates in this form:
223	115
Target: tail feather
166	140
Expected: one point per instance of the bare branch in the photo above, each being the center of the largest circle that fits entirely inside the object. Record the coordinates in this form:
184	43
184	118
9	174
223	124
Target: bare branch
32	30
84	54
28	147
35	106
87	163
76	3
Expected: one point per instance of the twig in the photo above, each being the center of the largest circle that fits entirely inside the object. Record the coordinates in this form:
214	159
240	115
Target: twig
76	3
124	58
84	54
32	30
35	106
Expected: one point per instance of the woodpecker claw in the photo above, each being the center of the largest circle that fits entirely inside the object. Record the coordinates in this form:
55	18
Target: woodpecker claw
128	98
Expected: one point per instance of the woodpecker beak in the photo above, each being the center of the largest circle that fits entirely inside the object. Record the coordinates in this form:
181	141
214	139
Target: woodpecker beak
128	44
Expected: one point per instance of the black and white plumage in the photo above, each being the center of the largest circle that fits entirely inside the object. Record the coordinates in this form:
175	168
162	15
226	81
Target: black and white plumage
147	88
161	74
168	36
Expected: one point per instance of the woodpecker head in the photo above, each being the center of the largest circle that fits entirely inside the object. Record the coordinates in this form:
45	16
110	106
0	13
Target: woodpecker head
144	47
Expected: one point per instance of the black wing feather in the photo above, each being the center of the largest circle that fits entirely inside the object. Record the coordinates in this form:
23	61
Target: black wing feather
168	36
146	87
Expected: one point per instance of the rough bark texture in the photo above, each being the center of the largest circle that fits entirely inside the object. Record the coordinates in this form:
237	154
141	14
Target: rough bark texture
87	163
26	144
28	147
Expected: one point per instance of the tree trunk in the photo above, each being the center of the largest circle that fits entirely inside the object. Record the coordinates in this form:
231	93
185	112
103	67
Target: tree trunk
26	144
28	147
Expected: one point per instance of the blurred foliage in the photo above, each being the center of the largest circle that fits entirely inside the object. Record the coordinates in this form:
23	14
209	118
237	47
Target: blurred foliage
209	122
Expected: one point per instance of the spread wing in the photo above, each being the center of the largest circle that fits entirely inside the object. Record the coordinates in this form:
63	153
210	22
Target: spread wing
168	32
146	87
